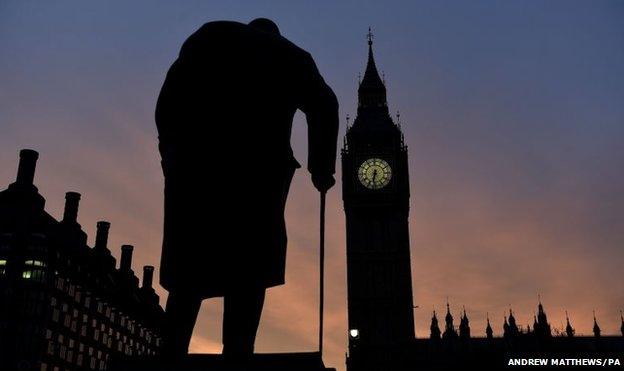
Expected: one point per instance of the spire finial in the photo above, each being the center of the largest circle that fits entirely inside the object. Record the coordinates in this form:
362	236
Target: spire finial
369	37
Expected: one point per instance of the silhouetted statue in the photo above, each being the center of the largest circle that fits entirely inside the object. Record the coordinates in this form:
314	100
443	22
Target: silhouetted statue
224	118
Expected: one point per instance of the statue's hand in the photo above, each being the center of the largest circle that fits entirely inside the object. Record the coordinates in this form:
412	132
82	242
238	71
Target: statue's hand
323	182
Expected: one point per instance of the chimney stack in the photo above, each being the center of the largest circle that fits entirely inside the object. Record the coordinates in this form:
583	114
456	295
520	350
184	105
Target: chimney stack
101	236
72	199
148	275
26	167
125	265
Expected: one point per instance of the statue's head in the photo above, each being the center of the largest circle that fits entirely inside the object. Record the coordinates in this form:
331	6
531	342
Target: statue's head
266	25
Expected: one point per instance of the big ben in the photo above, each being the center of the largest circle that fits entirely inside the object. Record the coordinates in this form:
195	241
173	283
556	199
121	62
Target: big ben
375	182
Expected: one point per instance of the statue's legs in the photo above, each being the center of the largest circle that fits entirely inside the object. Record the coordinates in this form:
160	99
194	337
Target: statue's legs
241	317
180	316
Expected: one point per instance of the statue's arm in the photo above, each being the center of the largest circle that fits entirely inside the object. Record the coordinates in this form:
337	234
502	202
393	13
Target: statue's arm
320	105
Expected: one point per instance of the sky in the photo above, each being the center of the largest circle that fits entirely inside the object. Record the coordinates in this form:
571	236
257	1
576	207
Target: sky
512	111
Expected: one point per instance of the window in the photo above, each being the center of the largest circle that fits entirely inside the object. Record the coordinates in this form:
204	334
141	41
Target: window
34	270
3	263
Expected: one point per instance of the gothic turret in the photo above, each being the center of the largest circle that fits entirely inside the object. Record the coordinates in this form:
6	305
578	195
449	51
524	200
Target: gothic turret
435	329
596	327
449	329
513	326
489	333
464	326
542	327
569	330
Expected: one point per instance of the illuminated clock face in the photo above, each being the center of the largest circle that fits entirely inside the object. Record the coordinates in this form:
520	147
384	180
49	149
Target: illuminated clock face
375	173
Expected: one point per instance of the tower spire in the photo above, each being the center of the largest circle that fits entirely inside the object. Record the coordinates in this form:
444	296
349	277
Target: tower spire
569	329
435	329
372	91
596	327
449	328
464	326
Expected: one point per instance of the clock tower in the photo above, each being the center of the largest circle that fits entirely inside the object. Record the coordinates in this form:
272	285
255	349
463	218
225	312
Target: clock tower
375	183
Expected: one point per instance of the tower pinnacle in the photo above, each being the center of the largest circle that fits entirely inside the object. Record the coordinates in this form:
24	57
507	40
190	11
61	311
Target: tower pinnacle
372	91
596	327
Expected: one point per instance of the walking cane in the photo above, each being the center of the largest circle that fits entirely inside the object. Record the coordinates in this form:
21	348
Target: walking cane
322	273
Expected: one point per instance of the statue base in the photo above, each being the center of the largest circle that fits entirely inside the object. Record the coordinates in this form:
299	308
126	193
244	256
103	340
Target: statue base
311	361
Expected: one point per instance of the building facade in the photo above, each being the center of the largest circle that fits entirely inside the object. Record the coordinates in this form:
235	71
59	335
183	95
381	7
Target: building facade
381	335
63	304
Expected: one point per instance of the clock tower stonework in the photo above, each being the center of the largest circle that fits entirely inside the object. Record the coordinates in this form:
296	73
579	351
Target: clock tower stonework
375	186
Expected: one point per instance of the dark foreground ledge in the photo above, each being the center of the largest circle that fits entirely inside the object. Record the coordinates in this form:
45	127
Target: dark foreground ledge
215	362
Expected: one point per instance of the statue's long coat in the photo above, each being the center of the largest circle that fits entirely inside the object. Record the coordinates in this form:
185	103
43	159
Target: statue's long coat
224	118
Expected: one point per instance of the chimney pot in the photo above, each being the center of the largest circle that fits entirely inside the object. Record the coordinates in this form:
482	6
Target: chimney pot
72	200
148	276
26	167
125	264
101	236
